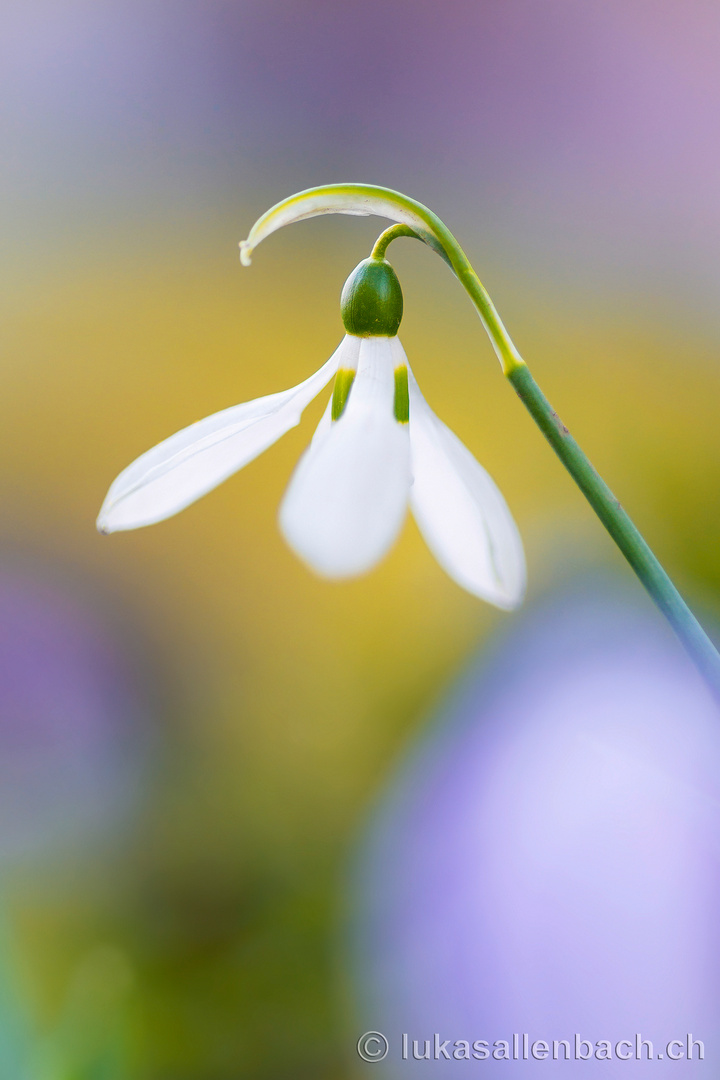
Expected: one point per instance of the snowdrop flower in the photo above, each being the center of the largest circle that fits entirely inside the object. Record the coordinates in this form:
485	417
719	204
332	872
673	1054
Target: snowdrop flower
378	449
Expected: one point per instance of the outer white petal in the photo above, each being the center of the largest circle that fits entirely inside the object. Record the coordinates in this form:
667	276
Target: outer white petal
460	511
347	499
195	460
356	199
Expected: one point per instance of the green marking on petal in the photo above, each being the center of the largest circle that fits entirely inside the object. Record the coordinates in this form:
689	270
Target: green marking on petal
341	391
402	397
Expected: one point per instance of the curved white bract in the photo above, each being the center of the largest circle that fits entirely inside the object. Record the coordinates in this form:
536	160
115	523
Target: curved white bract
356	199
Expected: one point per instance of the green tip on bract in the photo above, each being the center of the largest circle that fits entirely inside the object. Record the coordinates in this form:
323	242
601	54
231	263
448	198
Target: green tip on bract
371	303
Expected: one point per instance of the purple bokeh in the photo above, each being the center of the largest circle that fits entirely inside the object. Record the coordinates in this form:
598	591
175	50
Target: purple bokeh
548	862
608	103
76	723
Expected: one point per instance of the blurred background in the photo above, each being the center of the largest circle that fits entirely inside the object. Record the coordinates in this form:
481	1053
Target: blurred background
192	728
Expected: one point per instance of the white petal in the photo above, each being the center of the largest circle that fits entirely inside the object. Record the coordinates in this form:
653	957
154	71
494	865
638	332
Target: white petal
460	511
347	499
195	460
360	199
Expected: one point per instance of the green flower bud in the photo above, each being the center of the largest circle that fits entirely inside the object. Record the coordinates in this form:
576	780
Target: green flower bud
371	303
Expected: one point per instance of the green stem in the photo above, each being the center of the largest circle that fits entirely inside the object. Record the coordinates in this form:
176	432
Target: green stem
618	524
386	238
606	506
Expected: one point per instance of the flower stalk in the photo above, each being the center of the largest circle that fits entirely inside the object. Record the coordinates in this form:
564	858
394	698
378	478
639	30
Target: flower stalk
415	220
617	522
